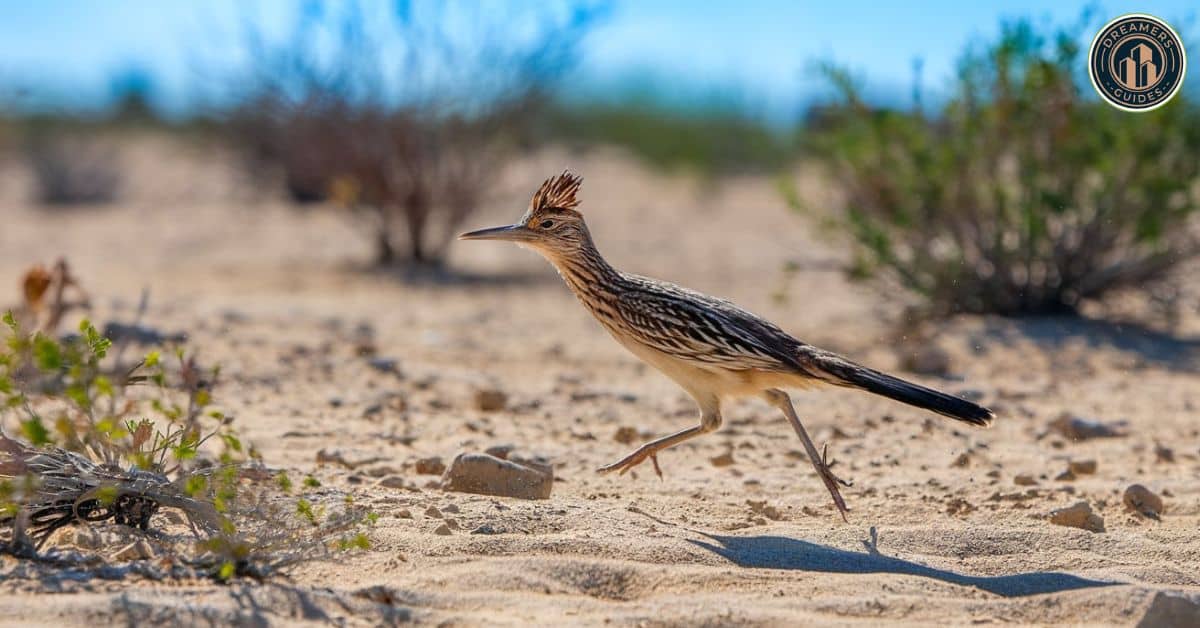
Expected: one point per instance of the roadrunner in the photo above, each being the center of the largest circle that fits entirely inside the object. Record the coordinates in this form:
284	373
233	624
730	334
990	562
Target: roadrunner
712	348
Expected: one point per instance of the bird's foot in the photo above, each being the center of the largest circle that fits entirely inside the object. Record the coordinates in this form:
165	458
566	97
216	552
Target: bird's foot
823	467
632	460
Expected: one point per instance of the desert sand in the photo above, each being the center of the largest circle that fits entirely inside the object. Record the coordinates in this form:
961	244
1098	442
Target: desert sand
939	531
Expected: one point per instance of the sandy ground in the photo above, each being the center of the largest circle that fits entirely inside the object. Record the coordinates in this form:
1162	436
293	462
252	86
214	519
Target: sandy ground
939	532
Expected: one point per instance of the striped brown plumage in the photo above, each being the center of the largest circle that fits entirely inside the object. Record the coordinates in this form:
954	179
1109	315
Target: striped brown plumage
709	346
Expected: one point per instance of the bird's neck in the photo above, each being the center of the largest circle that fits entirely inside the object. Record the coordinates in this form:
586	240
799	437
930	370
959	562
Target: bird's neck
586	271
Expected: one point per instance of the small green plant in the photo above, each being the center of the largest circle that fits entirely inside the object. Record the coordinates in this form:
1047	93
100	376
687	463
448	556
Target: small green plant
101	441
1022	193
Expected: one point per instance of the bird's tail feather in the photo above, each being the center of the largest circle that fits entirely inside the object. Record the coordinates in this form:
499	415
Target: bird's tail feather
845	373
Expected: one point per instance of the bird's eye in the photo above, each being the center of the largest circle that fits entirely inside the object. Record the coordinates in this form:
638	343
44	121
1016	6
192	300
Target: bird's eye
546	224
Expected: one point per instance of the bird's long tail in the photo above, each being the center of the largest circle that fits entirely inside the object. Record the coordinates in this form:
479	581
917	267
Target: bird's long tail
841	372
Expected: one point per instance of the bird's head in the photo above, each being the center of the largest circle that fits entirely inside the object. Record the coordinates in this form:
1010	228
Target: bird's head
551	226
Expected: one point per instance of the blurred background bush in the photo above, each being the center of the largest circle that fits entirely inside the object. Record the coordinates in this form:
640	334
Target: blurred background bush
999	185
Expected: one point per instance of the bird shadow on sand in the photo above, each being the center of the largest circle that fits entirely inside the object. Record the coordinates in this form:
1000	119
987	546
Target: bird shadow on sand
778	552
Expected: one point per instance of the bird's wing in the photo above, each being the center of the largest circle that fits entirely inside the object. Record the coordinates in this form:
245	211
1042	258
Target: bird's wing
706	331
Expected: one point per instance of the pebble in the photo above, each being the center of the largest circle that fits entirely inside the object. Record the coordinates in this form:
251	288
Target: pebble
490	400
393	481
137	550
1142	500
1025	480
443	530
1078	515
488	475
432	465
1078	428
723	460
626	435
1172	610
404	513
433	513
1082	467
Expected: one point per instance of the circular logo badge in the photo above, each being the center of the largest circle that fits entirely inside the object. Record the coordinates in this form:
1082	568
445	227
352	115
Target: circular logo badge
1137	62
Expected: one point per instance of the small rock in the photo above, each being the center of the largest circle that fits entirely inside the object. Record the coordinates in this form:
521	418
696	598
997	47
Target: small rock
1082	467
372	410
1024	479
1142	500
963	460
723	460
336	402
626	435
1163	454
385	365
138	550
1171	610
404	513
764	509
337	456
490	400
1078	428
1065	476
451	508
393	481
433	513
486	528
443	530
432	465
489	475
500	451
1078	515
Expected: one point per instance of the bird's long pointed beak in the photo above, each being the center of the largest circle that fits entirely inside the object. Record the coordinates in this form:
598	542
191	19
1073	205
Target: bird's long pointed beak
512	233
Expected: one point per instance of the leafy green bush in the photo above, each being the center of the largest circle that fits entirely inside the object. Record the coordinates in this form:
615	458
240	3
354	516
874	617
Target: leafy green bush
1022	193
100	441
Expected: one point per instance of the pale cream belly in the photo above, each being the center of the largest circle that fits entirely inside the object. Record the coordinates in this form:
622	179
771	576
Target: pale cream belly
711	379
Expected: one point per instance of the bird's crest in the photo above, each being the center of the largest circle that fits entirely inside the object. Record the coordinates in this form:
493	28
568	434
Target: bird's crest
557	192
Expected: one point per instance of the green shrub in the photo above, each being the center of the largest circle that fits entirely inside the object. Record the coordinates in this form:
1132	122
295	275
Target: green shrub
1022	193
95	440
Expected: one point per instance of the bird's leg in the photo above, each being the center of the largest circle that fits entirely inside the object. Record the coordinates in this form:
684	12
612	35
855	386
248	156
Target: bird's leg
820	462
710	420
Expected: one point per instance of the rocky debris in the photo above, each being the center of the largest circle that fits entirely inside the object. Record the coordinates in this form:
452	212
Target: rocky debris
433	513
1082	467
1163	454
959	506
490	400
509	452
1024	479
142	335
626	435
963	460
442	530
761	507
339	457
723	460
389	366
486	528
137	550
488	475
404	513
1171	610
393	481
1065	476
1144	501
433	465
1078	428
1078	515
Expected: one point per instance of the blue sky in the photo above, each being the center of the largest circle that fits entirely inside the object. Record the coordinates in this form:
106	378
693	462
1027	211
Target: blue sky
68	51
